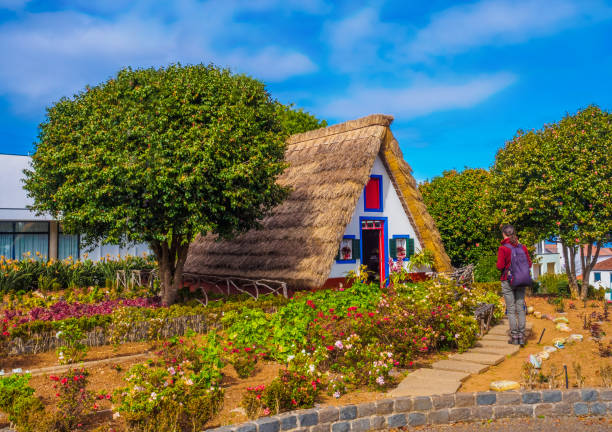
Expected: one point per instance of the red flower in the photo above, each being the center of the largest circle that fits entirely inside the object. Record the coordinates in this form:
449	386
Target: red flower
330	347
370	314
293	402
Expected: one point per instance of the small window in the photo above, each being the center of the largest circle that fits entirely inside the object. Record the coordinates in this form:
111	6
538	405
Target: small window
401	247
373	194
348	252
597	276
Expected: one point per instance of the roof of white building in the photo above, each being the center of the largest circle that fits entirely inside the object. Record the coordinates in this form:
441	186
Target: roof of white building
604	265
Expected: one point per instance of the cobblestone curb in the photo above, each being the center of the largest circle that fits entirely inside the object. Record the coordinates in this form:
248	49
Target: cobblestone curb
422	410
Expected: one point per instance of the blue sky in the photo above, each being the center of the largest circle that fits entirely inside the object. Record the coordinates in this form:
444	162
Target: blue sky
459	77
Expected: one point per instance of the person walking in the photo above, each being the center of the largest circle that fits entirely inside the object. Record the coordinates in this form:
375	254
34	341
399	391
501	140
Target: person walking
514	263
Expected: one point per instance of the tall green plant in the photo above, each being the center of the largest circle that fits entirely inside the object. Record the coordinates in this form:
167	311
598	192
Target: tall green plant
160	156
557	182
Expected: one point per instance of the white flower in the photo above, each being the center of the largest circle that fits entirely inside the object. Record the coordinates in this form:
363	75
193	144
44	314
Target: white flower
311	368
336	394
456	335
58	334
116	416
138	388
188	382
380	380
290	357
339	344
153	395
17	370
171	370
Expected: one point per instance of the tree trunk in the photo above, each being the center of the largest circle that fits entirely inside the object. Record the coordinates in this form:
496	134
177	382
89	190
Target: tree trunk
588	263
569	257
171	258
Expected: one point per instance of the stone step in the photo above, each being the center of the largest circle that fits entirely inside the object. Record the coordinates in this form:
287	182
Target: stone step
424	387
505	351
492	343
487	359
495	337
437	374
460	366
498	330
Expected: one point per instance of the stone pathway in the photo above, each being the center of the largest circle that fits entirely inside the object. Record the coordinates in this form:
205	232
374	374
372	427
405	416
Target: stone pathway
446	376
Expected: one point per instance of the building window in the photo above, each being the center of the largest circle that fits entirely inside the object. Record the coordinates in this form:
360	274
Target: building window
67	245
550	268
401	247
348	253
597	276
24	239
373	199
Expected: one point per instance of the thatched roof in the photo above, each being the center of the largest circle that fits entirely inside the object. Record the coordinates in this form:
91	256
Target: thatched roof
328	169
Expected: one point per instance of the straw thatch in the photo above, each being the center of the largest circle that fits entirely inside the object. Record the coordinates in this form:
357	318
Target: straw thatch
328	169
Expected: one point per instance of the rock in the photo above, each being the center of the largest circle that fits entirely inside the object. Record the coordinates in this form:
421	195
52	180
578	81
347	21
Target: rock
558	340
549	349
504	385
563	327
575	338
537	314
530	310
559	345
543	355
535	361
561	320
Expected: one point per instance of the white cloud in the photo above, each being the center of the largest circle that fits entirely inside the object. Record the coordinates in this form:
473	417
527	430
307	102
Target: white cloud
422	97
357	41
498	22
49	55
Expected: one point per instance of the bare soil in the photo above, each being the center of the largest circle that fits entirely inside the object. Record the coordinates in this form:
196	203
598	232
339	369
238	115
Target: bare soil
584	353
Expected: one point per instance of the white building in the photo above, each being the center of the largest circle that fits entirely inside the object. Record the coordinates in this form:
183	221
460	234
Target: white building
23	232
550	259
601	277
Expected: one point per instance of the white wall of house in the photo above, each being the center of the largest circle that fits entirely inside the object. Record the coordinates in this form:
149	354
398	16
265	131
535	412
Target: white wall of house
398	222
13	208
605	281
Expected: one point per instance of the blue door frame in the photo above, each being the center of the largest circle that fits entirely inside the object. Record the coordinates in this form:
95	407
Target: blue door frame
385	231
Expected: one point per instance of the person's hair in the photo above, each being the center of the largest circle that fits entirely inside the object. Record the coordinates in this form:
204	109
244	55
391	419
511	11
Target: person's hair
511	233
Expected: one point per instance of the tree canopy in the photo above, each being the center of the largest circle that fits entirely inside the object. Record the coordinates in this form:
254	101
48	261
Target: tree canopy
160	156
556	183
459	204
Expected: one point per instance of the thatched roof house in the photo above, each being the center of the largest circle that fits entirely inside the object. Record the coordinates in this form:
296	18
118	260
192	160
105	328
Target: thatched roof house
353	196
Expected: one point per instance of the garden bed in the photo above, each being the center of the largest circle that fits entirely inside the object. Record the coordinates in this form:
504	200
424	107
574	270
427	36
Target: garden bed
585	354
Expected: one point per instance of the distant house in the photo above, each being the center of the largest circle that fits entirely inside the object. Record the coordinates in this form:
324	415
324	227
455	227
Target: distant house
353	202
601	276
551	261
24	233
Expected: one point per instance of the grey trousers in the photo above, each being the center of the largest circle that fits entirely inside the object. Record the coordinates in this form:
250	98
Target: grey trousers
515	307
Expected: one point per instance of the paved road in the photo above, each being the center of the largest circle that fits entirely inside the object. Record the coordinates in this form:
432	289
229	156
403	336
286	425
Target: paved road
566	424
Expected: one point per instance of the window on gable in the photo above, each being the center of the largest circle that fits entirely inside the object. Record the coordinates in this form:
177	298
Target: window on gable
348	252
373	194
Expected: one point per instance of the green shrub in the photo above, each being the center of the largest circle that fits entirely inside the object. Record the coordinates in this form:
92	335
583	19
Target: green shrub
554	284
595	293
486	269
18	401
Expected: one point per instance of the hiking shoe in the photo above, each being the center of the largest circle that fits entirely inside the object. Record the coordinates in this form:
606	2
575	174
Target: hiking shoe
514	341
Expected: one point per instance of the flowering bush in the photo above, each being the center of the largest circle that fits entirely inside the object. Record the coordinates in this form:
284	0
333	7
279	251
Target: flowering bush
243	359
178	391
74	401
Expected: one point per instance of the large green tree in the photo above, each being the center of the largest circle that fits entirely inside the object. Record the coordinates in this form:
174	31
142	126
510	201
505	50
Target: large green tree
556	183
160	156
458	203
